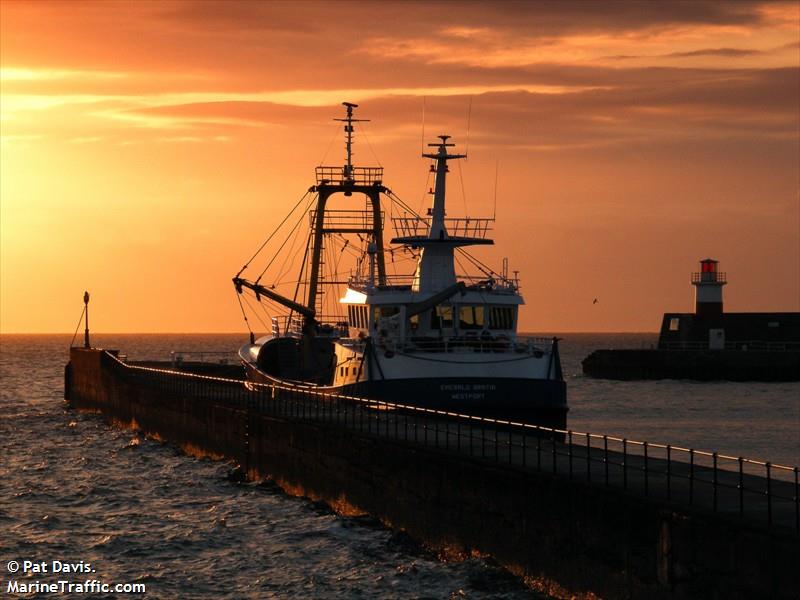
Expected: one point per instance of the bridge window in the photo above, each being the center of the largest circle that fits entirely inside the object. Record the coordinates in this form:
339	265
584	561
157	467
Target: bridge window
501	317
471	317
358	316
442	317
384	312
674	323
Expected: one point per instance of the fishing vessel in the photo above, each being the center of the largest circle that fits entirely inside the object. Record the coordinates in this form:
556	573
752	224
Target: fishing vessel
430	335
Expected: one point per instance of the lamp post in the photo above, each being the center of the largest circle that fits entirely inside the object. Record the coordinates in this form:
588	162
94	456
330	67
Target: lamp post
86	308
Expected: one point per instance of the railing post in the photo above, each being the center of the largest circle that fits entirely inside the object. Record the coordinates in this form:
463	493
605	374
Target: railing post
569	451
458	434
741	487
496	444
669	472
605	455
588	457
691	476
555	459
510	442
624	463
646	471
796	502
524	447
769	492
715	481
538	449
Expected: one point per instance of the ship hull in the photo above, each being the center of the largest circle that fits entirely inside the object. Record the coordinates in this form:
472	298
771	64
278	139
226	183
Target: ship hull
540	402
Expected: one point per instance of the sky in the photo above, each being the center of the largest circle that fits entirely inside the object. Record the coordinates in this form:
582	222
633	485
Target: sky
149	147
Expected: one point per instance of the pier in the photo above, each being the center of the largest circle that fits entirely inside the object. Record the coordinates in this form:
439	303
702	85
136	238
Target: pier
573	513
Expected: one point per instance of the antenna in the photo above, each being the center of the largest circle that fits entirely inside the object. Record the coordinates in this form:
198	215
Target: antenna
496	168
469	121
348	129
422	140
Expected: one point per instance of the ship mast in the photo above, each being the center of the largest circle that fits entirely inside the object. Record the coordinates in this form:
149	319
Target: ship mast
348	129
436	266
346	180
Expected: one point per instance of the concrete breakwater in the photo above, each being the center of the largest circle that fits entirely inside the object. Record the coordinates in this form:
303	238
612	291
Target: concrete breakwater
571	519
700	365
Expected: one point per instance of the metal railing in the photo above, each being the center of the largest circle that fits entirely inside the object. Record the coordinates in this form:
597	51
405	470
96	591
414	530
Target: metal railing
466	227
483	283
732	485
292	326
346	220
709	277
357	176
221	357
476	343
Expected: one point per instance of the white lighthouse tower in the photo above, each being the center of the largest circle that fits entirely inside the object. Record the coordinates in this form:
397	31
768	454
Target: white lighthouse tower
708	289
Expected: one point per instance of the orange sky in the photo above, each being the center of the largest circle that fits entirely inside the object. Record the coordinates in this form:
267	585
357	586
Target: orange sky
149	147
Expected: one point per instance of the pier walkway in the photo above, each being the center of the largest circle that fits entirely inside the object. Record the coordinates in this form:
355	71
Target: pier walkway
749	490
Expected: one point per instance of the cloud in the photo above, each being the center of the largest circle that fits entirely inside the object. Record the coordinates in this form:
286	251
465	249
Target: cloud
726	52
464	17
718	52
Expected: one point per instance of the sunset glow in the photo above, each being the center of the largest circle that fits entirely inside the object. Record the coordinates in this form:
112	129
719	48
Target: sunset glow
149	147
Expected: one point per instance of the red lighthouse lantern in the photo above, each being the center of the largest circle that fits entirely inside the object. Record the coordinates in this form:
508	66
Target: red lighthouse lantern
708	284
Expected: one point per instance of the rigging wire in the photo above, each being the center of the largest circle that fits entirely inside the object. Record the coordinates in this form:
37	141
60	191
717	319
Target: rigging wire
284	270
271	235
363	131
296	225
463	192
244	314
83	312
460	264
424	192
485	269
246	301
330	143
394	198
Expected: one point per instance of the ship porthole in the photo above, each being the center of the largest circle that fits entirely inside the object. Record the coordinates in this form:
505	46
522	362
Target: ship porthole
389	354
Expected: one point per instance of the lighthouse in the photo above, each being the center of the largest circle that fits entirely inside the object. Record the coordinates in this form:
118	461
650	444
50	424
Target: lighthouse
708	289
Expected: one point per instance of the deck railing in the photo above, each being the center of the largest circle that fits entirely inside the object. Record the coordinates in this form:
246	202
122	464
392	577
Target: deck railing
356	176
749	489
222	357
459	227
